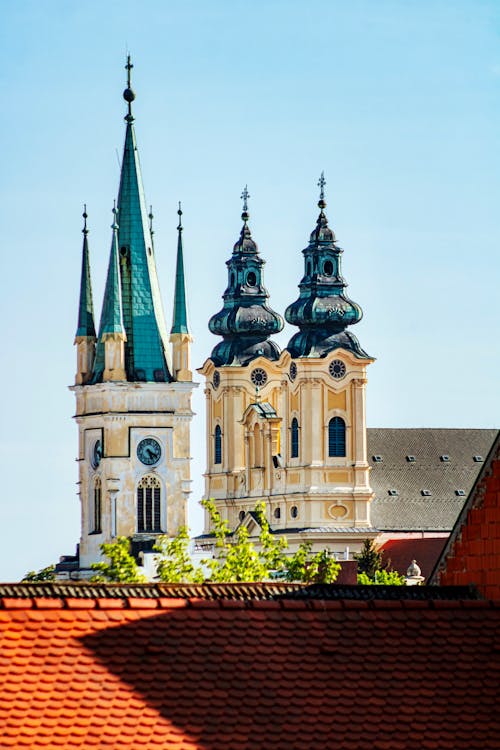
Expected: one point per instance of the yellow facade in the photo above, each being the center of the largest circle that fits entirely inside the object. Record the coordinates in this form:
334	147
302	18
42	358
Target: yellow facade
304	487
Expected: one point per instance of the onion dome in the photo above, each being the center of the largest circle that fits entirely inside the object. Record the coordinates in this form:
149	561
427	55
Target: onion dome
323	311
245	322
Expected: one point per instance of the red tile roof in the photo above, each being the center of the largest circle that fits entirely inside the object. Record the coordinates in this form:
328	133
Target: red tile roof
472	553
247	672
399	553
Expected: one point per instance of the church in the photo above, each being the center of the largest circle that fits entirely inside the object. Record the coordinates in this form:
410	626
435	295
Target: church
284	427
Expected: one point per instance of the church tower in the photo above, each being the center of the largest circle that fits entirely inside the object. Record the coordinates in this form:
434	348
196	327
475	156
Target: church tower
133	402
243	384
290	428
324	401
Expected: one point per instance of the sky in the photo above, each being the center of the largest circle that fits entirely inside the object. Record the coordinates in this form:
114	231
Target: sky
398	103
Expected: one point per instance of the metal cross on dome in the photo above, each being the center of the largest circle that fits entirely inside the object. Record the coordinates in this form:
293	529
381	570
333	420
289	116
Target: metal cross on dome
245	196
321	185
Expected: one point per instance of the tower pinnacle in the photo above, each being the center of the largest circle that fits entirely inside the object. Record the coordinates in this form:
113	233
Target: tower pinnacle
129	94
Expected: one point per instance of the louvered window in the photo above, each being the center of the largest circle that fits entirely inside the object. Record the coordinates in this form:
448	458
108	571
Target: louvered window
218	445
294	453
336	437
148	505
97	507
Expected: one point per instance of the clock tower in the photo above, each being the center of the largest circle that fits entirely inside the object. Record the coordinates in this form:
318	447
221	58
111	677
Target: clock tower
133	399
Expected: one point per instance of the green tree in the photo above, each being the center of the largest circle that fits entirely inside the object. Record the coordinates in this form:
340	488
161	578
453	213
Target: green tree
371	568
369	559
45	574
382	578
319	568
122	567
174	564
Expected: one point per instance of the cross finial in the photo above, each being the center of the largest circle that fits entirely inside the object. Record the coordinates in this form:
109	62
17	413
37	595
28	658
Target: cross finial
151	217
128	94
128	68
179	213
321	185
114	225
245	196
85	230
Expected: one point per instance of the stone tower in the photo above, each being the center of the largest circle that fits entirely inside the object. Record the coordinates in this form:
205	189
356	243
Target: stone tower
133	400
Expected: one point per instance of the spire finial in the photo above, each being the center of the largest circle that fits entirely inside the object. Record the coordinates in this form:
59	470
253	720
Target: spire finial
321	185
179	213
128	94
245	196
85	215
151	217
114	225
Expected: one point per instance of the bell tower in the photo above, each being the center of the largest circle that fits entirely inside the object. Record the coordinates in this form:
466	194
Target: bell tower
242	386
133	403
324	399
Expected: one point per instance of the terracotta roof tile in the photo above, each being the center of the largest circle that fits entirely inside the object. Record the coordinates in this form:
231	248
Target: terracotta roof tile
211	673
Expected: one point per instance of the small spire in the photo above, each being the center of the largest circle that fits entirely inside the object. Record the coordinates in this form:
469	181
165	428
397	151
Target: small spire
321	185
85	326
128	94
180	318
245	196
112	310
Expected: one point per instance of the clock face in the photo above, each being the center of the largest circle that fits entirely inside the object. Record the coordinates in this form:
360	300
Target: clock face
149	451
337	369
96	456
258	376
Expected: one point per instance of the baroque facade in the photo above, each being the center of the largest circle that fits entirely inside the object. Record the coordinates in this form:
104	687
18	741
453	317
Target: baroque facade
133	395
289	427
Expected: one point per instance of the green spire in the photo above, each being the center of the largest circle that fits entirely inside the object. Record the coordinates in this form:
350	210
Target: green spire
112	311
146	346
85	325
180	320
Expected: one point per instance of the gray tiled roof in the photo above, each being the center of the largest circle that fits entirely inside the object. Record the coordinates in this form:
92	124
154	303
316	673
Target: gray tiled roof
409	510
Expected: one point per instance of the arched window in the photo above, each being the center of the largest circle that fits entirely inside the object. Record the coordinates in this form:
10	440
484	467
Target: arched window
294	453
218	445
336	437
148	504
97	506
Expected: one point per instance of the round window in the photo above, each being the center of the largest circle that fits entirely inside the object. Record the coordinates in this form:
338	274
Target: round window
258	376
293	371
251	278
216	379
328	268
337	369
294	511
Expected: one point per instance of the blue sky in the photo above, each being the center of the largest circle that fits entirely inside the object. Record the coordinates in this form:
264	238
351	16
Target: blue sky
398	102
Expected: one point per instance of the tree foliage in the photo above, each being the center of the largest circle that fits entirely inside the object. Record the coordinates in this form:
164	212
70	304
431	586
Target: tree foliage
236	557
369	559
382	578
173	563
122	566
373	571
45	574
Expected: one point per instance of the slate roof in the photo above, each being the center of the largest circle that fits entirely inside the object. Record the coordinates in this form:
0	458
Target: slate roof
192	673
409	510
472	553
